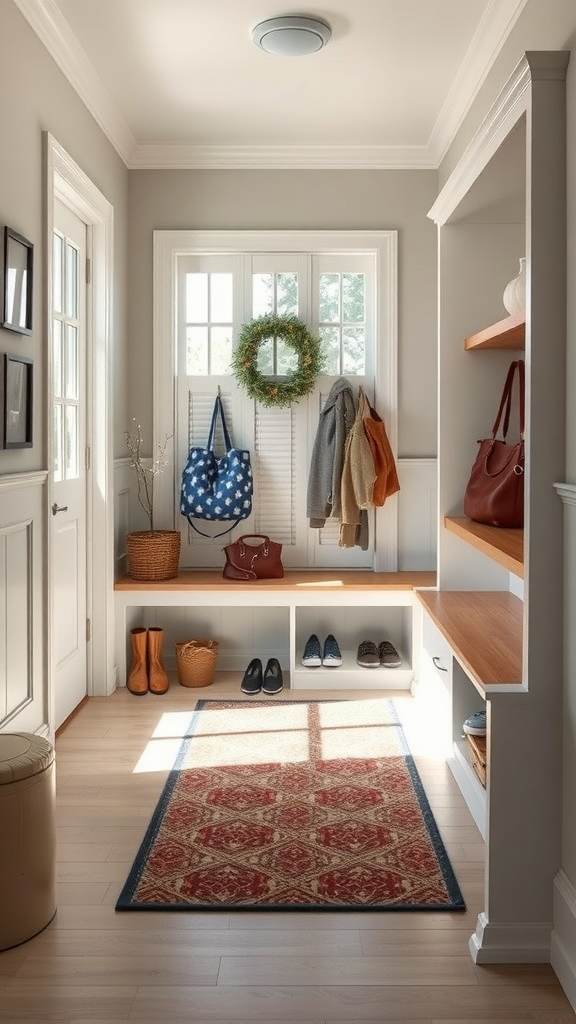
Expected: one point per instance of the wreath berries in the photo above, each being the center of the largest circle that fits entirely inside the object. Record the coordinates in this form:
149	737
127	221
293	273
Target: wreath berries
277	390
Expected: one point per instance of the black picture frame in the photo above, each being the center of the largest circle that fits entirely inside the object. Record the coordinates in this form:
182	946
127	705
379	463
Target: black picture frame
18	383
18	277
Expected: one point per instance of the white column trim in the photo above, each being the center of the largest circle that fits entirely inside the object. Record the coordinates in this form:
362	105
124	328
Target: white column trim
563	944
515	942
567	492
511	104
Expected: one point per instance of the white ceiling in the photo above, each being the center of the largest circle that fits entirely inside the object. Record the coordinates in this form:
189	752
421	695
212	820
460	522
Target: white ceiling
179	83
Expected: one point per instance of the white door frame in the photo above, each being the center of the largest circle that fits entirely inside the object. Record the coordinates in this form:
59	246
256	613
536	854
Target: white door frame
66	181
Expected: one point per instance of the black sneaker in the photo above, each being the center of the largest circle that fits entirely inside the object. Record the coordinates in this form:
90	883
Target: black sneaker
389	656
273	681
312	656
332	656
252	679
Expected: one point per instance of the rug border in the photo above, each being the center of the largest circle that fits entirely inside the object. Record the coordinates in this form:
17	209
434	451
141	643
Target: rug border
124	902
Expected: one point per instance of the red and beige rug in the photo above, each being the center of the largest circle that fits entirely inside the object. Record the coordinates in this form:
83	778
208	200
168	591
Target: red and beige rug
292	805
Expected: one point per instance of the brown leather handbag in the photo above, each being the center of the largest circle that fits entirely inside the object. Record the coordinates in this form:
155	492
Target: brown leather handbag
246	561
495	491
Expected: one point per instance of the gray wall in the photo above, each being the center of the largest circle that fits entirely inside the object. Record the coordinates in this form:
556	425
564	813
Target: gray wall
35	96
237	200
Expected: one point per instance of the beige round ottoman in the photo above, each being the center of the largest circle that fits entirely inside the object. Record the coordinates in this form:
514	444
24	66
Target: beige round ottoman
27	837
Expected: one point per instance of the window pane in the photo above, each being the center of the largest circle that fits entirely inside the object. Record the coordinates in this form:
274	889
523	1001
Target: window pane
353	345
329	288
286	358
265	360
196	350
262	294
71	443
57	443
220	349
221	298
287	294
58	259
58	389
330	338
71	281
196	298
71	362
353	298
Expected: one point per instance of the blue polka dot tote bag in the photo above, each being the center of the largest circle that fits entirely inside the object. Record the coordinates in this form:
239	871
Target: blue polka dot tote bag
217	489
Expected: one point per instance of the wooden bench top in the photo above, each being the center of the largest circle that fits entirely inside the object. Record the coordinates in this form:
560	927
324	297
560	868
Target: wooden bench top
484	629
294	579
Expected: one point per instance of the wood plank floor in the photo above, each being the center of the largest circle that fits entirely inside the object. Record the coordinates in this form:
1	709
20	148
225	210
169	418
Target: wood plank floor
92	964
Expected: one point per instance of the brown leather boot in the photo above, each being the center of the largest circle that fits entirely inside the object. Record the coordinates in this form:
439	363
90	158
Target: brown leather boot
158	681
137	681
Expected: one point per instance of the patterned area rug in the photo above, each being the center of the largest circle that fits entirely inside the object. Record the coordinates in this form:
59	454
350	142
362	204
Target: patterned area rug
292	805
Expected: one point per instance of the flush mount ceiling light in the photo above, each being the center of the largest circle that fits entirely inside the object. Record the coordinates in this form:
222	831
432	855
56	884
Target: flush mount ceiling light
291	36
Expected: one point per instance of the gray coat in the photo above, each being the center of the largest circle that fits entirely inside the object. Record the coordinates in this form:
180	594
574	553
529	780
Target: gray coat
335	421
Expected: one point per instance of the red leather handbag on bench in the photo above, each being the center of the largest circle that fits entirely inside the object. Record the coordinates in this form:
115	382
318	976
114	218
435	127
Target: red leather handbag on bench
253	561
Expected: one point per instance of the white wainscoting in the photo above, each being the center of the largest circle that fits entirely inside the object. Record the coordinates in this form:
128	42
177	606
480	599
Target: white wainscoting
417	514
24	697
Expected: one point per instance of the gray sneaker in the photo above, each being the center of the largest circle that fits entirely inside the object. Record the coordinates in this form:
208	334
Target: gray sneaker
476	724
368	656
389	656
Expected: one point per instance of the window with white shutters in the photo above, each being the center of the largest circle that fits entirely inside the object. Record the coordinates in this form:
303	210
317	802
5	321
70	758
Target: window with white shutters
346	298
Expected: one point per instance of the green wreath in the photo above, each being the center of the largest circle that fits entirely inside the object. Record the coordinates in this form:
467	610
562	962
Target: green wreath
277	390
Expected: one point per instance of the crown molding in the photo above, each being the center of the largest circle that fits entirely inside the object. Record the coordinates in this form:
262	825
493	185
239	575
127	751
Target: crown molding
156	157
46	20
494	28
511	104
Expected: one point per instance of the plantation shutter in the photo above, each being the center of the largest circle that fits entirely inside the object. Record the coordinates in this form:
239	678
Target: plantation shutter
275	460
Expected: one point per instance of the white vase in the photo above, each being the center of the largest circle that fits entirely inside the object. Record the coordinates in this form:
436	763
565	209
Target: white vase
514	297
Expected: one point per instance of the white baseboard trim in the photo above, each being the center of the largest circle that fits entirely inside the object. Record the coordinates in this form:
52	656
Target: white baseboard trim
563	944
510	943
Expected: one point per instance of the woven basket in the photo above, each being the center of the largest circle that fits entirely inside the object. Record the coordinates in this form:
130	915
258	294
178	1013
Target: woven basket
195	662
152	554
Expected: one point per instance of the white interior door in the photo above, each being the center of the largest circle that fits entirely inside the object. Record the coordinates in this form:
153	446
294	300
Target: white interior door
68	511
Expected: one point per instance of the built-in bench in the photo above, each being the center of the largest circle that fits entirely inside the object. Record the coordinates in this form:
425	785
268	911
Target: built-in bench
277	616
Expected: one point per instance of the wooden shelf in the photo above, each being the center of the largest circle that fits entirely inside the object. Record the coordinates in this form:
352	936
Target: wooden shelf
507	333
305	581
484	630
504	546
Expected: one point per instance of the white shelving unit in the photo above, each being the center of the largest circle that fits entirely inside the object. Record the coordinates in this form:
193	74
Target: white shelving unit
499	599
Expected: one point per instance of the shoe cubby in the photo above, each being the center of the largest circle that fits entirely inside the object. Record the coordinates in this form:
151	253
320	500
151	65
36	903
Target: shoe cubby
273	619
350	626
466	699
243	633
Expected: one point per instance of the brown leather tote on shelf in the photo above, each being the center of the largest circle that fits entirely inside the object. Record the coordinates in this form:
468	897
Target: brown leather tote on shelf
495	491
253	561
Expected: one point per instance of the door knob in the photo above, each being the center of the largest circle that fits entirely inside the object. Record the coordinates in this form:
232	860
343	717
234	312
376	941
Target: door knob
58	508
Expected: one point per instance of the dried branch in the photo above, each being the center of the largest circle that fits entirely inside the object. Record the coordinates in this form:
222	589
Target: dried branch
145	474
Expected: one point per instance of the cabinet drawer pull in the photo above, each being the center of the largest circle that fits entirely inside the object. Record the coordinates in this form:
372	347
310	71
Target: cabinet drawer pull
438	664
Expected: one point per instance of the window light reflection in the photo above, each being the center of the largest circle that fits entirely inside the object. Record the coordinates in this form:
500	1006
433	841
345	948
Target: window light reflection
279	734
